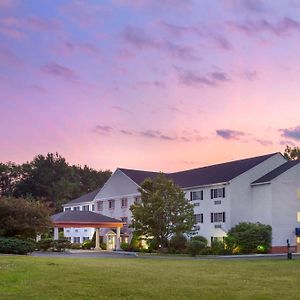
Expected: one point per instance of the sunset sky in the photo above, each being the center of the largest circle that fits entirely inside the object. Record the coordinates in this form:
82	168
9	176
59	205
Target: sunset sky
158	85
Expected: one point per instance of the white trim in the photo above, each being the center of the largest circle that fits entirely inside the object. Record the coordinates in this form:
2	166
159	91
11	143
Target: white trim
205	186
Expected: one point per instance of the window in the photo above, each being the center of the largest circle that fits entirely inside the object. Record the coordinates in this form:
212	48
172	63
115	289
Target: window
216	238
67	208
124	202
217	217
68	238
68	230
85	238
124	219
137	200
197	195
99	205
111	204
76	240
85	230
76	230
217	193
85	208
197	204
298	193
198	218
298	216
76	208
93	207
218	202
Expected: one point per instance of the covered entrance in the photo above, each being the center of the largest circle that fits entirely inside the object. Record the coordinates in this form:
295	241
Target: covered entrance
88	219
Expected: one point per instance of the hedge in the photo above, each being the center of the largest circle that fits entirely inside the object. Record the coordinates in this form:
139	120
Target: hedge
16	246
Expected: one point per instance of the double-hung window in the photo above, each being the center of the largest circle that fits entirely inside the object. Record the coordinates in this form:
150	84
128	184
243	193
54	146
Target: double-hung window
198	218
217	217
111	204
99	205
85	208
124	202
196	195
76	208
217	193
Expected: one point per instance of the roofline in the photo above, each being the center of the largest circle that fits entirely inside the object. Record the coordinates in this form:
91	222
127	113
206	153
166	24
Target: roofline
78	203
206	185
260	183
128	177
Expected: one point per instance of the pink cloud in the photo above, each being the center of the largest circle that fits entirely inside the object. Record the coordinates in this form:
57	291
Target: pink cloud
57	70
8	57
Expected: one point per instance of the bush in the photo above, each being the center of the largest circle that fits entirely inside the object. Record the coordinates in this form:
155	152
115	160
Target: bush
200	238
195	247
153	244
248	236
88	244
61	244
103	246
218	248
75	246
16	246
178	243
44	244
125	246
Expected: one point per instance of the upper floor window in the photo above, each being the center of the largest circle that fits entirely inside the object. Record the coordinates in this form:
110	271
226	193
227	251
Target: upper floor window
217	217
76	208
124	219
93	207
67	208
198	218
111	204
197	195
99	205
217	193
85	208
137	199
124	202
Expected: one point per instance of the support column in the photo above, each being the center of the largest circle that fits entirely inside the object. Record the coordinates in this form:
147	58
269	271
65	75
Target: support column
118	238
56	236
97	243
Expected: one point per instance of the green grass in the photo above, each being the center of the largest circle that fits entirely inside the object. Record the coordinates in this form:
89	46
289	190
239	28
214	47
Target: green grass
25	277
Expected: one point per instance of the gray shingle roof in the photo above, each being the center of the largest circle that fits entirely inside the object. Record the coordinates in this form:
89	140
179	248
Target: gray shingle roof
89	197
203	176
71	216
276	172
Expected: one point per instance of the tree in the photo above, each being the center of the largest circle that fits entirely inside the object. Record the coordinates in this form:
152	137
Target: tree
246	237
163	210
292	153
23	218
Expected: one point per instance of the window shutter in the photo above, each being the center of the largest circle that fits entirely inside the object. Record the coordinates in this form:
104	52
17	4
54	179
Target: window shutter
202	195
211	217
224	217
223	192
191	196
211	194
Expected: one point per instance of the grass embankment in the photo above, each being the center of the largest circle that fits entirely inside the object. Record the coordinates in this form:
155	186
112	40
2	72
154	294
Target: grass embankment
66	278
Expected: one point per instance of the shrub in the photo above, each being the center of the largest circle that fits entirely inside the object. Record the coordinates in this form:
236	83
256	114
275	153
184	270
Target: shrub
103	246
195	247
200	238
16	246
75	246
178	243
88	244
248	236
61	244
44	244
153	244
218	248
125	246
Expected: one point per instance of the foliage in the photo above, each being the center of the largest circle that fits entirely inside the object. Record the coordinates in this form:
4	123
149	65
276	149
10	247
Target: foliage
247	236
178	243
88	244
200	238
163	210
135	243
49	179
125	246
75	246
16	246
61	244
103	246
23	218
218	247
44	244
292	153
153	244
195	247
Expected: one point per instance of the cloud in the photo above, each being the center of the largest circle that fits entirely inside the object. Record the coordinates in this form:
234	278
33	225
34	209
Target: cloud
103	129
145	84
126	132
229	134
8	4
140	39
292	133
254	6
8	57
192	78
264	142
57	70
12	33
279	28
250	75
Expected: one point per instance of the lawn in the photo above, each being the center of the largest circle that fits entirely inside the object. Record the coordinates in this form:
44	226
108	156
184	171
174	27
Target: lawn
25	277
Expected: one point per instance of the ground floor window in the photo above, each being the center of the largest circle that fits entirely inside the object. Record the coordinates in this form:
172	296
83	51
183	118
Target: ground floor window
76	240
198	218
217	238
85	238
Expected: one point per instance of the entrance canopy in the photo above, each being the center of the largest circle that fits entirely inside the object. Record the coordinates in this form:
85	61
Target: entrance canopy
77	219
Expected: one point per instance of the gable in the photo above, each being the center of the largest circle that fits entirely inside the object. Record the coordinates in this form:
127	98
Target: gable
117	185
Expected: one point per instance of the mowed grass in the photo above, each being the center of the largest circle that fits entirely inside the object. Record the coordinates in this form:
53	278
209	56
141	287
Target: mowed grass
25	277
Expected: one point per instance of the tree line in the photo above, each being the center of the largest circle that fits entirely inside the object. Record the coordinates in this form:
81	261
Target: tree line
49	179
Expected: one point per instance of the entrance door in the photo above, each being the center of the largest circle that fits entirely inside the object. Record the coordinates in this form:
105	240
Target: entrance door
111	241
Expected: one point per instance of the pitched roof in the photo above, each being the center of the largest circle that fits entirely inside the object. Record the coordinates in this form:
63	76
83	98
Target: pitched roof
276	172
72	216
219	173
84	198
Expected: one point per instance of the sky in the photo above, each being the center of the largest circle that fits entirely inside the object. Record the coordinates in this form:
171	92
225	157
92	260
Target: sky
160	85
